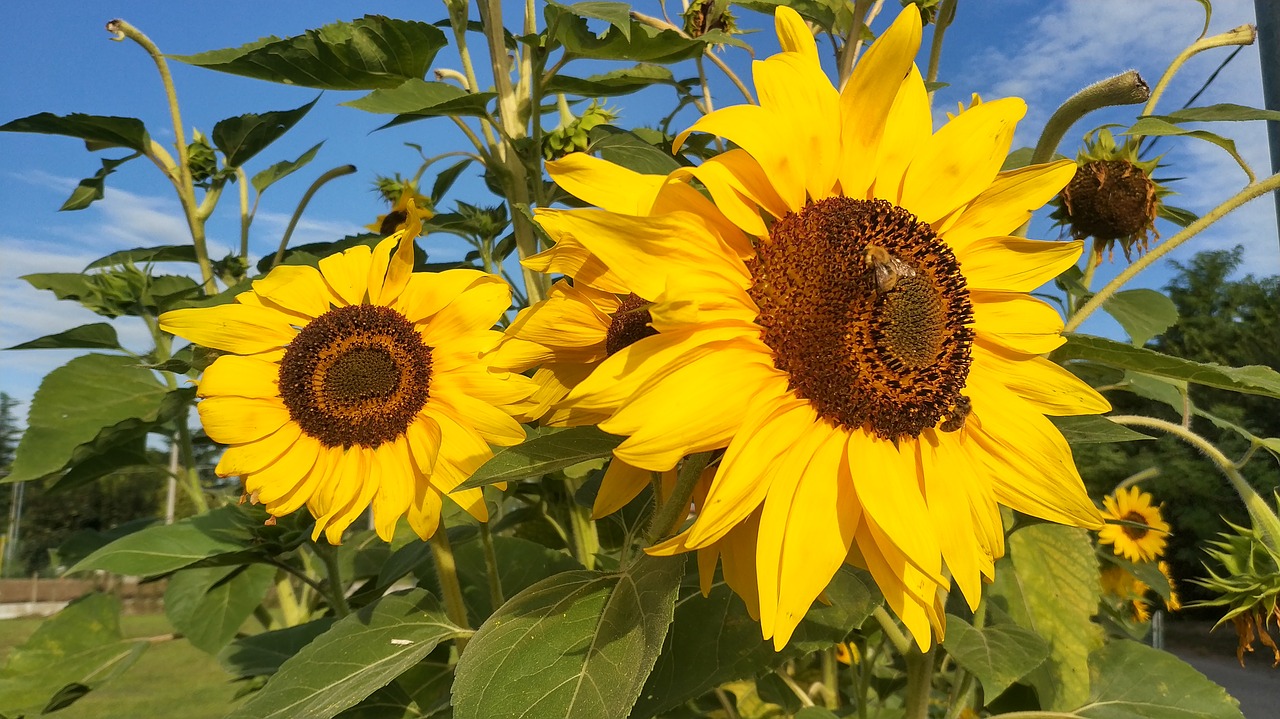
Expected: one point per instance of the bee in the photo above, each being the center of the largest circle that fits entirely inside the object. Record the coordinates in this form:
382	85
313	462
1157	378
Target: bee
889	270
955	418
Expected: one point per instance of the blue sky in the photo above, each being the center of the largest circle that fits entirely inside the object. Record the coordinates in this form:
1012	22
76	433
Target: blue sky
58	58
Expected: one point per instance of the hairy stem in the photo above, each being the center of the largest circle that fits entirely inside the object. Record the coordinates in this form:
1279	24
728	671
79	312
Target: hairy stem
302	206
337	593
450	587
668	516
1127	88
891	630
919	683
1243	35
946	13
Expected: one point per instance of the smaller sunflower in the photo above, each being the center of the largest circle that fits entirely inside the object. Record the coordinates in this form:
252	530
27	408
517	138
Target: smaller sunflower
1142	538
358	383
409	209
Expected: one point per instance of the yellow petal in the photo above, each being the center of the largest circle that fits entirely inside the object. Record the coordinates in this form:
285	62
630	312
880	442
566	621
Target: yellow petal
378	263
1009	202
606	185
948	476
298	288
237	420
240	377
327	459
1015	264
1016	321
493	387
961	159
793	86
347	273
426	293
424	511
477	308
462	450
571	258
887	479
907	129
253	456
620	484
567	318
285	474
238	328
754	129
1048	387
395	488
494	425
738	554
793	34
906	590
867	97
739	188
354	487
423	436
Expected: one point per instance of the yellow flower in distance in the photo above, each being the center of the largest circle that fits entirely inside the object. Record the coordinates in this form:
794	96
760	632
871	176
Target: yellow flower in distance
408	212
358	383
1137	544
848	320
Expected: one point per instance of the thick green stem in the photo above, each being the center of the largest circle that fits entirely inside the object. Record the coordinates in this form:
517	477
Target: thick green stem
450	587
831	678
919	683
302	206
667	517
1264	519
246	217
891	631
496	597
1243	35
1257	189
337	593
946	13
1127	88
191	474
586	540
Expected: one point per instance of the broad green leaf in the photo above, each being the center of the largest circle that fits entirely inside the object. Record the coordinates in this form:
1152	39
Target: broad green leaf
817	11
209	604
1094	429
417	99
998	655
1151	126
1251	379
75	402
146	255
92	189
641	43
87	541
98	335
1143	313
164	548
240	138
71	653
1017	159
365	54
444	181
617	14
390	702
1133	680
521	564
713	640
97	131
282	169
627	149
575	645
121	449
552	450
1224	111
1050	586
613	83
358	655
261	654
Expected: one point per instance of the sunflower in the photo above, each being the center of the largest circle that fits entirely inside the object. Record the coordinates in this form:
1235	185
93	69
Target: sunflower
846	319
358	383
1136	543
408	206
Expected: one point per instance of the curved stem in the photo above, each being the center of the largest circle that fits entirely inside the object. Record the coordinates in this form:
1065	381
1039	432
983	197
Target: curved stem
337	593
491	564
458	21
666	518
729	73
946	13
1243	35
891	630
864	11
450	587
1264	519
302	206
1127	88
306	578
805	700
1253	191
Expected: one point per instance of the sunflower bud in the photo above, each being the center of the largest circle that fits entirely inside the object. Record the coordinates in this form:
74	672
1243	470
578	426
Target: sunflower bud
573	134
1112	197
200	158
703	16
1248	587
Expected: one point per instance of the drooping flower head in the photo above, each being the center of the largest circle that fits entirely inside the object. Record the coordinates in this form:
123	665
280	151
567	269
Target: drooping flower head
1143	534
847	320
358	383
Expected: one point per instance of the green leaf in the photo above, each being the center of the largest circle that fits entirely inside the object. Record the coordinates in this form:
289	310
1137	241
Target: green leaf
815	713
282	169
579	644
146	255
99	335
97	131
1143	313
418	99
358	655
1217	113
164	548
75	403
713	640
240	138
444	181
1050	586
998	655
1094	429
74	651
640	43
1151	126
521	564
617	14
1133	680
549	451
262	654
92	189
365	54
627	149
210	604
816	11
614	83
1251	379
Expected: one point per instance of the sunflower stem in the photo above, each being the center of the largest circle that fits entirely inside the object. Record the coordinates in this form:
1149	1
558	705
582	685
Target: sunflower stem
919	683
582	531
796	689
1243	35
729	73
668	516
830	678
1264	519
450	587
891	630
1252	191
1127	88
337	593
946	13
302	206
496	597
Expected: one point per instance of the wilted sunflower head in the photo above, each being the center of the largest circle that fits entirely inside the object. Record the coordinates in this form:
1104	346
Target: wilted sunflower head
1246	579
1134	527
1112	197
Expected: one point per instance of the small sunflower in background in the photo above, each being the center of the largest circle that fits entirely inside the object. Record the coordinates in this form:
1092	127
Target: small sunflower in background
358	383
1138	532
405	200
1129	593
846	317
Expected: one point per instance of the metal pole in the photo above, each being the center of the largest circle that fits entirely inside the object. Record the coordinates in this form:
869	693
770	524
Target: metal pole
15	522
1267	13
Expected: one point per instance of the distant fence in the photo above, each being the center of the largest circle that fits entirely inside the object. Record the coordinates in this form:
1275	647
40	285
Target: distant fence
36	596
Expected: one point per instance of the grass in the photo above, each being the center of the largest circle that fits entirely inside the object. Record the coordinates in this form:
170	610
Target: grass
171	679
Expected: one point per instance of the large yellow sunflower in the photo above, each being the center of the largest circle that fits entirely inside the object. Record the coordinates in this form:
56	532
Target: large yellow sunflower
846	318
1135	543
358	383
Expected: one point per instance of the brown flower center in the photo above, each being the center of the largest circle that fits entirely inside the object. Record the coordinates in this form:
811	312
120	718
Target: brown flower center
629	324
866	310
356	375
1135	533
